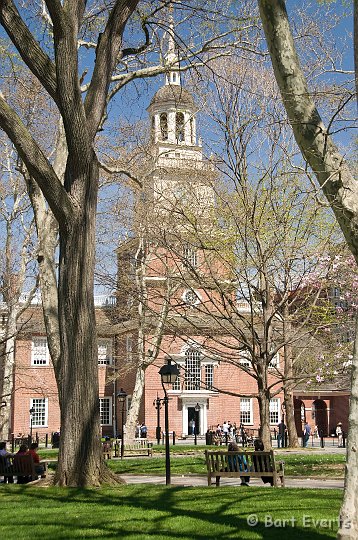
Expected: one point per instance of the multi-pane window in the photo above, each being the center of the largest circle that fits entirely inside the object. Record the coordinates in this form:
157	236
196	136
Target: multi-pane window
190	256
245	358
176	385
209	376
245	411
274	411
129	347
39	353
274	361
39	412
104	351
105	410
192	369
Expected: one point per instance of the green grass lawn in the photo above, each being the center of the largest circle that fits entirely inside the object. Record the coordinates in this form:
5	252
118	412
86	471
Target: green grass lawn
159	512
295	465
191	461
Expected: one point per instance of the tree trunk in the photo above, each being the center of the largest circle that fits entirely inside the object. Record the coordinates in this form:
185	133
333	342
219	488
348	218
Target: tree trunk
133	412
264	406
348	529
80	459
8	374
290	418
331	170
288	378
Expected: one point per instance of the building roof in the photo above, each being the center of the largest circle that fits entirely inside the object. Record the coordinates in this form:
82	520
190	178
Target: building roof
173	93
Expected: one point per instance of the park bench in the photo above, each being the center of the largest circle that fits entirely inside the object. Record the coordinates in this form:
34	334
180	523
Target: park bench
22	467
136	447
241	464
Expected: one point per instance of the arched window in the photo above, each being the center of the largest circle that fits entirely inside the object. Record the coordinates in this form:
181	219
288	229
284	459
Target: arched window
164	126
192	370
179	126
152	133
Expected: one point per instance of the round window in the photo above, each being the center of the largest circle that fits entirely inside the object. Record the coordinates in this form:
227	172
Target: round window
191	298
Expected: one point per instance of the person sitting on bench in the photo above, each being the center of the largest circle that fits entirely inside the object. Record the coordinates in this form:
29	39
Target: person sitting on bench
5	455
237	463
258	464
39	469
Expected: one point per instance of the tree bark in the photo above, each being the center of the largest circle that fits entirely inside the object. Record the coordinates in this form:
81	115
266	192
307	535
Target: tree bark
263	398
288	378
80	461
348	529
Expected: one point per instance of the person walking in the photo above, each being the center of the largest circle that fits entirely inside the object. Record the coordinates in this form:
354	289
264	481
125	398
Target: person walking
143	431
192	427
339	433
281	432
306	434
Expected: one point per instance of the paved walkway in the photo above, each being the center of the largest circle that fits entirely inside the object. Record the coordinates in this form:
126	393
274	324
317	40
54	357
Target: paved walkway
313	483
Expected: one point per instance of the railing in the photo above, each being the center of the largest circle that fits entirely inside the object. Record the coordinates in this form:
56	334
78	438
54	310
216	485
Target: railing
100	300
185	163
243	306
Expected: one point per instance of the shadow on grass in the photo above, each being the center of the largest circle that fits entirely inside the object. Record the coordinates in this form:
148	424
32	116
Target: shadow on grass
144	511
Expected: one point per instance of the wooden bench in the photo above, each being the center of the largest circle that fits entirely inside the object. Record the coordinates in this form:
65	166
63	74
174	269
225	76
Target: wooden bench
243	464
22	467
136	447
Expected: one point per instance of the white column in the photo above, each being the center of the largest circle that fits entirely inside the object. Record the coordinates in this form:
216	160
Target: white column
171	127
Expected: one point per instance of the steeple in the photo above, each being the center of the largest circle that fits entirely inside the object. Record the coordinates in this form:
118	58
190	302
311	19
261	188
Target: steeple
171	56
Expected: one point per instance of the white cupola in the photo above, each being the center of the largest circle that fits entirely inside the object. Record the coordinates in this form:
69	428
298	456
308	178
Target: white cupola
173	110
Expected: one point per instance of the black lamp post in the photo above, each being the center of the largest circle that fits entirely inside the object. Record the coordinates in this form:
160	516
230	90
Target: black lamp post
169	374
157	404
122	396
196	409
32	411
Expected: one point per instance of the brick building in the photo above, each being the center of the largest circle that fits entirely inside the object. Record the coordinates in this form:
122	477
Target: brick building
172	265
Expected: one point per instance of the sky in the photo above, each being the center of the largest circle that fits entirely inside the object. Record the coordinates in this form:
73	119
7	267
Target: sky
130	105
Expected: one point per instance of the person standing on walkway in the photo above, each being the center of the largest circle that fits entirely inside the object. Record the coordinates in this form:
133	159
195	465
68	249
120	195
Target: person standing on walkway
306	434
339	433
281	434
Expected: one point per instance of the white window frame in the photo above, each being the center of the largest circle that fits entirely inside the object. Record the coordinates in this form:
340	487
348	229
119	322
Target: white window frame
209	376
245	358
46	358
107	359
275	409
129	347
275	361
250	411
197	297
192	369
34	403
177	385
190	255
107	399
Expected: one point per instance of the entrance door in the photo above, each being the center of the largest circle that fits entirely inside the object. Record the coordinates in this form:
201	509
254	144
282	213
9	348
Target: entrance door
193	421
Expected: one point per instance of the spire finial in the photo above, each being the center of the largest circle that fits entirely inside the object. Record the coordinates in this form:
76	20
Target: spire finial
171	55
